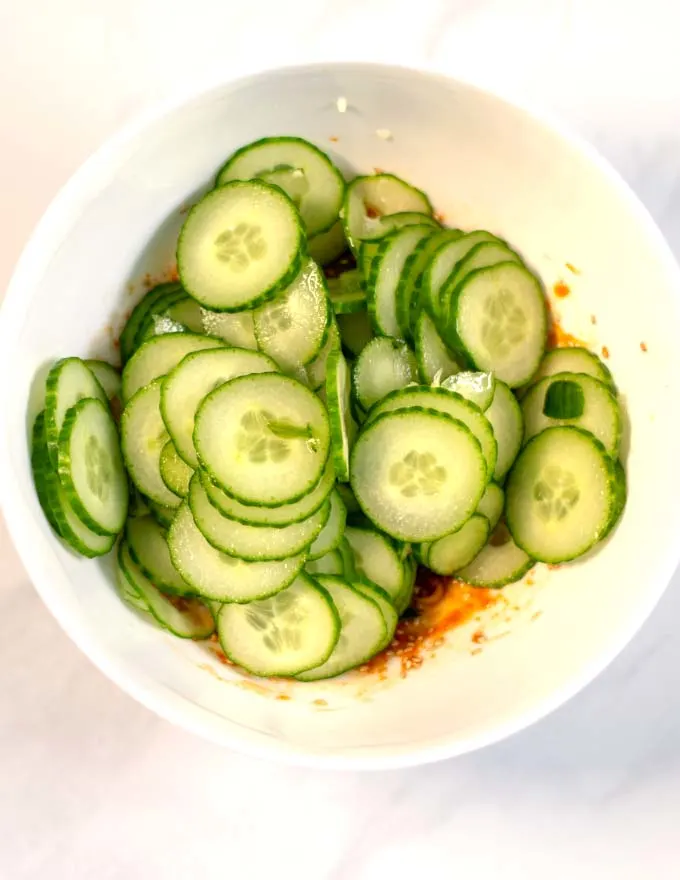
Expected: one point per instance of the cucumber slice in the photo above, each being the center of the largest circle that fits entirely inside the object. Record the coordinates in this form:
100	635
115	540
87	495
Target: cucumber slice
316	371
574	360
42	469
478	388
333	531
239	246
347	293
224	578
561	494
162	514
196	375
505	417
149	548
435	361
498	319
174	313
91	467
252	543
385	275
264	439
491	504
126	589
183	616
342	426
455	551
368	199
366	254
235	328
449	403
331	563
69	381
326	247
620	497
385	365
442	264
273	516
362	632
418	475
107	376
501	562
143	437
376	559
389	222
356	331
302	170
159	356
175	473
415	270
599	412
410	572
129	334
348	498
481	256
187	313
293	328
387	609
349	569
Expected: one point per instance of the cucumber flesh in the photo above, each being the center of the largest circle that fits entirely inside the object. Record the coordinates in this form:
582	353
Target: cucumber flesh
235	328
478	388
69	381
326	247
159	356
126	589
368	199
356	331
499	563
342	426
574	360
385	365
481	256
107	376
149	548
435	362
331	563
454	551
175	472
442	264
332	533
128	337
387	609
347	293
491	504
505	417
376	559
316	371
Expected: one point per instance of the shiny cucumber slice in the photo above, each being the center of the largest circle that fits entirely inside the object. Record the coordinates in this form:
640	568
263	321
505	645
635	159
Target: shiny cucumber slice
159	356
128	336
175	472
387	609
574	360
107	376
69	381
385	365
356	331
148	545
505	417
491	504
331	563
478	388
347	292
235	328
368	199
442	264
435	361
342	425
327	246
454	551
499	563
376	559
333	530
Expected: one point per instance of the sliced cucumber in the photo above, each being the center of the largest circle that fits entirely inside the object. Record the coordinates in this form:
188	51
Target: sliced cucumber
159	356
368	199
417	474
235	328
252	543
175	472
387	609
389	222
442	264
454	551
416	270
347	292
293	328
574	360
435	361
620	497
302	170
162	514
326	247
128	336
342	426
491	504
149	548
596	409
264	439
126	589
333	531
362	632
331	563
356	331
501	562
176	313
316	371
498	320
447	402
376	559
478	388
481	256
561	494
69	381
42	469
196	375
91	467
216	575
239	246
107	376
183	616
385	365
505	417
349	568
143	437
273	516
284	635
410	573
348	498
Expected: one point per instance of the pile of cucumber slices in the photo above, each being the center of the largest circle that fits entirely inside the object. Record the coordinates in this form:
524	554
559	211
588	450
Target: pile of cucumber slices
337	389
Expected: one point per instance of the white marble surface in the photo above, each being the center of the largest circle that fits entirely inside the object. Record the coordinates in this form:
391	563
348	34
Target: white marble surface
94	786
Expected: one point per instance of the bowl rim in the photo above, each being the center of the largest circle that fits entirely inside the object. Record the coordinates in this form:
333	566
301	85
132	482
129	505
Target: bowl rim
45	240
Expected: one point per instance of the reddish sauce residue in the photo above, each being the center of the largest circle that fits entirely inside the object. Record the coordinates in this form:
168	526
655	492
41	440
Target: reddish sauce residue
558	336
282	697
440	217
605	351
593	319
371	211
333	139
643	346
378	170
319	702
439	604
572	268
561	289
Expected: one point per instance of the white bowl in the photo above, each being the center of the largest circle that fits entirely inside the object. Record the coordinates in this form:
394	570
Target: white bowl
486	164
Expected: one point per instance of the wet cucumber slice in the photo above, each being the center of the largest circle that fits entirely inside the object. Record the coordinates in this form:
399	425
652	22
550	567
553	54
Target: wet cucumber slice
327	246
126	589
387	609
332	533
342	425
175	473
128	337
369	199
376	559
356	331
316	371
107	376
478	388
295	630
454	551
69	381
235	328
347	292
331	563
491	504
574	360
481	256
385	365
148	545
435	361
158	356
505	417
499	563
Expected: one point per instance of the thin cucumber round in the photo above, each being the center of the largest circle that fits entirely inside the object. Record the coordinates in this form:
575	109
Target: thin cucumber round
331	563
347	292
412	283
442	263
389	222
505	417
362	632
403	601
326	247
574	360
435	361
368	199
91	467
69	381
454	551
189	383
143	436
491	504
481	256
376	559
498	321
159	356
387	609
342	426
162	514
235	328
293	631
128	337
418	474
620	497
292	328
349	569
581	400
356	331
264	439
215	575
499	563
302	170
126	589
42	469
385	365
316	371
162	317
333	530
478	388
560	494
149	548
107	376
252	543
175	472
348	498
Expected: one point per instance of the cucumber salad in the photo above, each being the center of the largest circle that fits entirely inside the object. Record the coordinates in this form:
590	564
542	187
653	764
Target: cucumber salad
338	389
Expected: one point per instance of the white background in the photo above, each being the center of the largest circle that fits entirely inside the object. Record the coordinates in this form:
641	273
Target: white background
94	786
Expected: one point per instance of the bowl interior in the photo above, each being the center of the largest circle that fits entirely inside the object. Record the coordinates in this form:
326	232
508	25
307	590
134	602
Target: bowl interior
485	164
